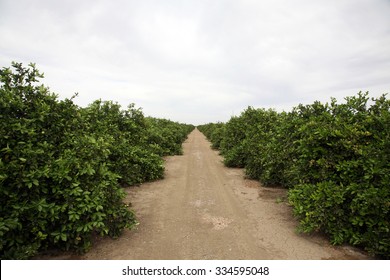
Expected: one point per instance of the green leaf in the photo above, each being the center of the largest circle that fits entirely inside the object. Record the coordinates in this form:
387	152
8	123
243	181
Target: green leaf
63	236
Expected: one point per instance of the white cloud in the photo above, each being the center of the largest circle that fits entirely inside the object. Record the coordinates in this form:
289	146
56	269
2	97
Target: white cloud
200	61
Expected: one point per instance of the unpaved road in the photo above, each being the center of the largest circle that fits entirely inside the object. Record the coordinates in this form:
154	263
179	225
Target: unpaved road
203	210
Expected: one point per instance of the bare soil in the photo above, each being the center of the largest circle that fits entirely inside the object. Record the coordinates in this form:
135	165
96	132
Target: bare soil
204	210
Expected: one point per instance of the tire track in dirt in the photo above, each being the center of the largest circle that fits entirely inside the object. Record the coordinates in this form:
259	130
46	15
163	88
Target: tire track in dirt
203	210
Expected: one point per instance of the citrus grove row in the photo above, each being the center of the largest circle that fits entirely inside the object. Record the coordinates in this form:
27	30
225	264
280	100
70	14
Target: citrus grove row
62	167
333	158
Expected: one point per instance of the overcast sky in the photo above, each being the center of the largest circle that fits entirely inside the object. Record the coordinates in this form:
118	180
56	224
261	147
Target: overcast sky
201	61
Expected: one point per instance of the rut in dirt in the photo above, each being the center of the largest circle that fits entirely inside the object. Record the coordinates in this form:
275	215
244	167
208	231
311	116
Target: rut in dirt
204	210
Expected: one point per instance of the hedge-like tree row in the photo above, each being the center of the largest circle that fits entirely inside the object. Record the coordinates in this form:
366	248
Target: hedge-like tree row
334	158
62	166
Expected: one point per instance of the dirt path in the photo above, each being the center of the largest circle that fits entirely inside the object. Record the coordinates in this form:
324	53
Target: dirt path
203	210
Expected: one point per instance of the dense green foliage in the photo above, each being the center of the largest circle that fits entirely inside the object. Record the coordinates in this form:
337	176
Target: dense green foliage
126	133
334	158
62	166
167	136
215	132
